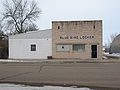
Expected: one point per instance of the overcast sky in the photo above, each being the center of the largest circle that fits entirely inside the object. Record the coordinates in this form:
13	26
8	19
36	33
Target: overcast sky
67	10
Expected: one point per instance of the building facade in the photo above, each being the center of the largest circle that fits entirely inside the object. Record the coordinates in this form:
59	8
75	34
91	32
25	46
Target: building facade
77	39
31	45
115	45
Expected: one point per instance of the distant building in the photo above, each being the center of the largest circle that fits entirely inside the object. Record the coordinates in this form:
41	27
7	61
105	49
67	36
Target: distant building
115	45
31	45
77	39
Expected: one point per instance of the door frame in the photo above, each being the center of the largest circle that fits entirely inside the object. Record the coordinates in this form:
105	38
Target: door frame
91	51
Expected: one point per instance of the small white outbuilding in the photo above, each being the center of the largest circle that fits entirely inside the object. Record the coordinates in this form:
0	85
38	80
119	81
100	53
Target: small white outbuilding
31	45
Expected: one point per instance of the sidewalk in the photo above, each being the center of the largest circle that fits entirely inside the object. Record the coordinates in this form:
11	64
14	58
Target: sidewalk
63	60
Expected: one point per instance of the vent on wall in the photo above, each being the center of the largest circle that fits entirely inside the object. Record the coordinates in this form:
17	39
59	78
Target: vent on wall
94	26
58	27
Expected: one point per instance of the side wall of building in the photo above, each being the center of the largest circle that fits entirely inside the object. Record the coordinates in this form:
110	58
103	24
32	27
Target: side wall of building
21	48
78	32
115	45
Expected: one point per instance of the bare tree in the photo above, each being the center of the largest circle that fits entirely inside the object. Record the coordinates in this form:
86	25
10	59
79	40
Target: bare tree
112	37
1	28
31	27
19	14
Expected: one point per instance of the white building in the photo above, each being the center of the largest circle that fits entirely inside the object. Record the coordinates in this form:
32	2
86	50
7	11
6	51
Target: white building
31	45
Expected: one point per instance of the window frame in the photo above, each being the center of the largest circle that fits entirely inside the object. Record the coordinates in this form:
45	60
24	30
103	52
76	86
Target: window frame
62	47
33	47
81	50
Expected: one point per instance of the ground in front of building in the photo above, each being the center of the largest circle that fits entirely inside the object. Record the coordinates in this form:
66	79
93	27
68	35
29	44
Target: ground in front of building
100	74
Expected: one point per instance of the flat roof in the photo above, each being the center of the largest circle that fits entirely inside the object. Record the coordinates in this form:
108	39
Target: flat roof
78	21
40	34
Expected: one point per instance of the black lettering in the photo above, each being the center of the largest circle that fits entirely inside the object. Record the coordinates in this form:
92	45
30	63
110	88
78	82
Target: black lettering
87	37
61	38
71	37
75	37
83	37
80	37
93	36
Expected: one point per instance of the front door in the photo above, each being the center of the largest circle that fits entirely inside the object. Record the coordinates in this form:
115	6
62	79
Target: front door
94	51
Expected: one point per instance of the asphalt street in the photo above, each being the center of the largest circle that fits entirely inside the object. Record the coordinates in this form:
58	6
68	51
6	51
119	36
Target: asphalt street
73	74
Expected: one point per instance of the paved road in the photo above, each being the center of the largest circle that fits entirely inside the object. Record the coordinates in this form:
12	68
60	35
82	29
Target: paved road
81	74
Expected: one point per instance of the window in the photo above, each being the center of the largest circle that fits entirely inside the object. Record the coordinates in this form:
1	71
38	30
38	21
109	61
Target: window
58	27
94	26
33	47
63	48
78	47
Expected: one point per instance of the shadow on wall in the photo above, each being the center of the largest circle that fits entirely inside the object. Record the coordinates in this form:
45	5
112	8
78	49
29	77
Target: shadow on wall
3	47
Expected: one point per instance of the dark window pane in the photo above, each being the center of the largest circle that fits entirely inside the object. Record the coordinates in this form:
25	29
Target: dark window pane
78	47
58	27
94	26
33	47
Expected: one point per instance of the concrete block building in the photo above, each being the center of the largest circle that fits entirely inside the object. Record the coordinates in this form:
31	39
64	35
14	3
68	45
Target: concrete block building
31	45
77	39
